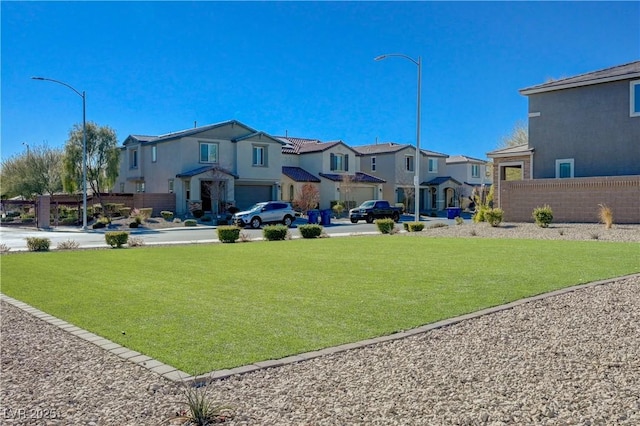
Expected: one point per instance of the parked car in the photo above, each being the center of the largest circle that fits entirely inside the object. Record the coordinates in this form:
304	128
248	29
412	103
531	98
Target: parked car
374	209
265	212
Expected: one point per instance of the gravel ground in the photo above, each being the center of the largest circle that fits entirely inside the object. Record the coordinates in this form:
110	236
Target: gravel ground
572	359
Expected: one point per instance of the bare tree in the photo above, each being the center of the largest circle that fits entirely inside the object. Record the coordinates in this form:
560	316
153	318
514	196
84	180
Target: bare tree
346	191
307	198
519	136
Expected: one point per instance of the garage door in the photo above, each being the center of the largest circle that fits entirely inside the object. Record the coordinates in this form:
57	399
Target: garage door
362	193
248	195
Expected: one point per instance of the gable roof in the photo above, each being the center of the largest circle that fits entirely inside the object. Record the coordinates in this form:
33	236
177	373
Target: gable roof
259	135
457	159
357	177
381	148
440	180
511	151
188	132
298	174
204	169
619	72
305	146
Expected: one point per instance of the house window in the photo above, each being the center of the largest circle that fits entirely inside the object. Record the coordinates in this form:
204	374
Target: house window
475	170
339	162
564	168
408	163
373	164
121	186
170	185
133	159
154	153
635	98
140	186
433	165
259	155
208	152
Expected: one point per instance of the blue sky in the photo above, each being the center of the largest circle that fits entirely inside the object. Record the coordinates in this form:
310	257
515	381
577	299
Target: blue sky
306	68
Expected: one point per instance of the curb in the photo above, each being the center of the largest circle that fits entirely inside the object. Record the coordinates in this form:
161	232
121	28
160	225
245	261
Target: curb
173	374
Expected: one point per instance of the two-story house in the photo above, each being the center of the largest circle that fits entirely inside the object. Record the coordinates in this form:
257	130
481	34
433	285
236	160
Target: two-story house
395	163
333	167
471	172
206	167
584	146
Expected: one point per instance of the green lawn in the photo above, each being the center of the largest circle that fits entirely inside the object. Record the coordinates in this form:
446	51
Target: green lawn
206	307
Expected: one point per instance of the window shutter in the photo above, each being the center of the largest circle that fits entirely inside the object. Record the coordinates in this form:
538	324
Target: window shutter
332	161
346	162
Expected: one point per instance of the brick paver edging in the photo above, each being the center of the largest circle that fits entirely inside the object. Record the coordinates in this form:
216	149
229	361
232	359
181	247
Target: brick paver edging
175	375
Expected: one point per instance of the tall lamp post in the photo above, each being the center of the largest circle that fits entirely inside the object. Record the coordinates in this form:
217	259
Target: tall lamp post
416	177
84	145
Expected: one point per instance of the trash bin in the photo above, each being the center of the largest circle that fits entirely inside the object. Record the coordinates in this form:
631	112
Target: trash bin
313	216
453	212
325	217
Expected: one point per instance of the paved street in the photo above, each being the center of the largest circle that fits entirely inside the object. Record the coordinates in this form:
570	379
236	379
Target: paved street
15	238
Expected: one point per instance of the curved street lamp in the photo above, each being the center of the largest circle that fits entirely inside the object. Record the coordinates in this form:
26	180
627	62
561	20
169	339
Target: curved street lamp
416	178
84	145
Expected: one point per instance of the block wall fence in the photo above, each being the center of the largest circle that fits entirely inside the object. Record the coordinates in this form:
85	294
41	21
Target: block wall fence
572	200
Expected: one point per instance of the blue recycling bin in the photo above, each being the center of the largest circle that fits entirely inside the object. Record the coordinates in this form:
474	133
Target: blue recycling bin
453	212
313	216
325	217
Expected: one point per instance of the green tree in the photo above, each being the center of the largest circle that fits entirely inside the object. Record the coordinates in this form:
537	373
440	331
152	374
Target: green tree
103	159
36	172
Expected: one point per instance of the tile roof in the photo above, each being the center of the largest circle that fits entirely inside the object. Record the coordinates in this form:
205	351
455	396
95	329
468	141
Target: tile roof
440	180
511	151
204	169
357	177
381	148
298	174
619	72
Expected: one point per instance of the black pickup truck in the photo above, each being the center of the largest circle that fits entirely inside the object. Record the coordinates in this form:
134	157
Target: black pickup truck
374	209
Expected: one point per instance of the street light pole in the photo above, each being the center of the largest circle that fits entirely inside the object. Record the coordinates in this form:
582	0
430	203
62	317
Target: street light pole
84	145
416	177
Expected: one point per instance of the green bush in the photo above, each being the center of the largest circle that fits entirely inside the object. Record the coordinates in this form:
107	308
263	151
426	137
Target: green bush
479	215
134	224
459	220
275	232
337	210
386	226
414	226
7	219
125	211
494	216
38	244
311	230
190	222
99	225
228	234
197	213
67	221
543	216
116	238
167	215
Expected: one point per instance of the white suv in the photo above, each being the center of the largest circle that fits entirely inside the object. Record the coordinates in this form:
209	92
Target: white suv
266	212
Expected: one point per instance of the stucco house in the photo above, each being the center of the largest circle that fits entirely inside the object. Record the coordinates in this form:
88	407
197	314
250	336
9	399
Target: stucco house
584	145
473	174
395	163
207	167
333	167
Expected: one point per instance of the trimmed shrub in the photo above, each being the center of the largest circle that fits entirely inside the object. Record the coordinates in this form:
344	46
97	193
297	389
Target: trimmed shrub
68	221
275	232
311	230
415	226
190	222
116	238
459	220
125	211
38	244
228	234
543	216
494	216
167	215
197	213
385	226
134	224
99	225
479	215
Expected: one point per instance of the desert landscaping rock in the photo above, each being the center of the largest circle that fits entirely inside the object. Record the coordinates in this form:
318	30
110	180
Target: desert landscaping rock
572	359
